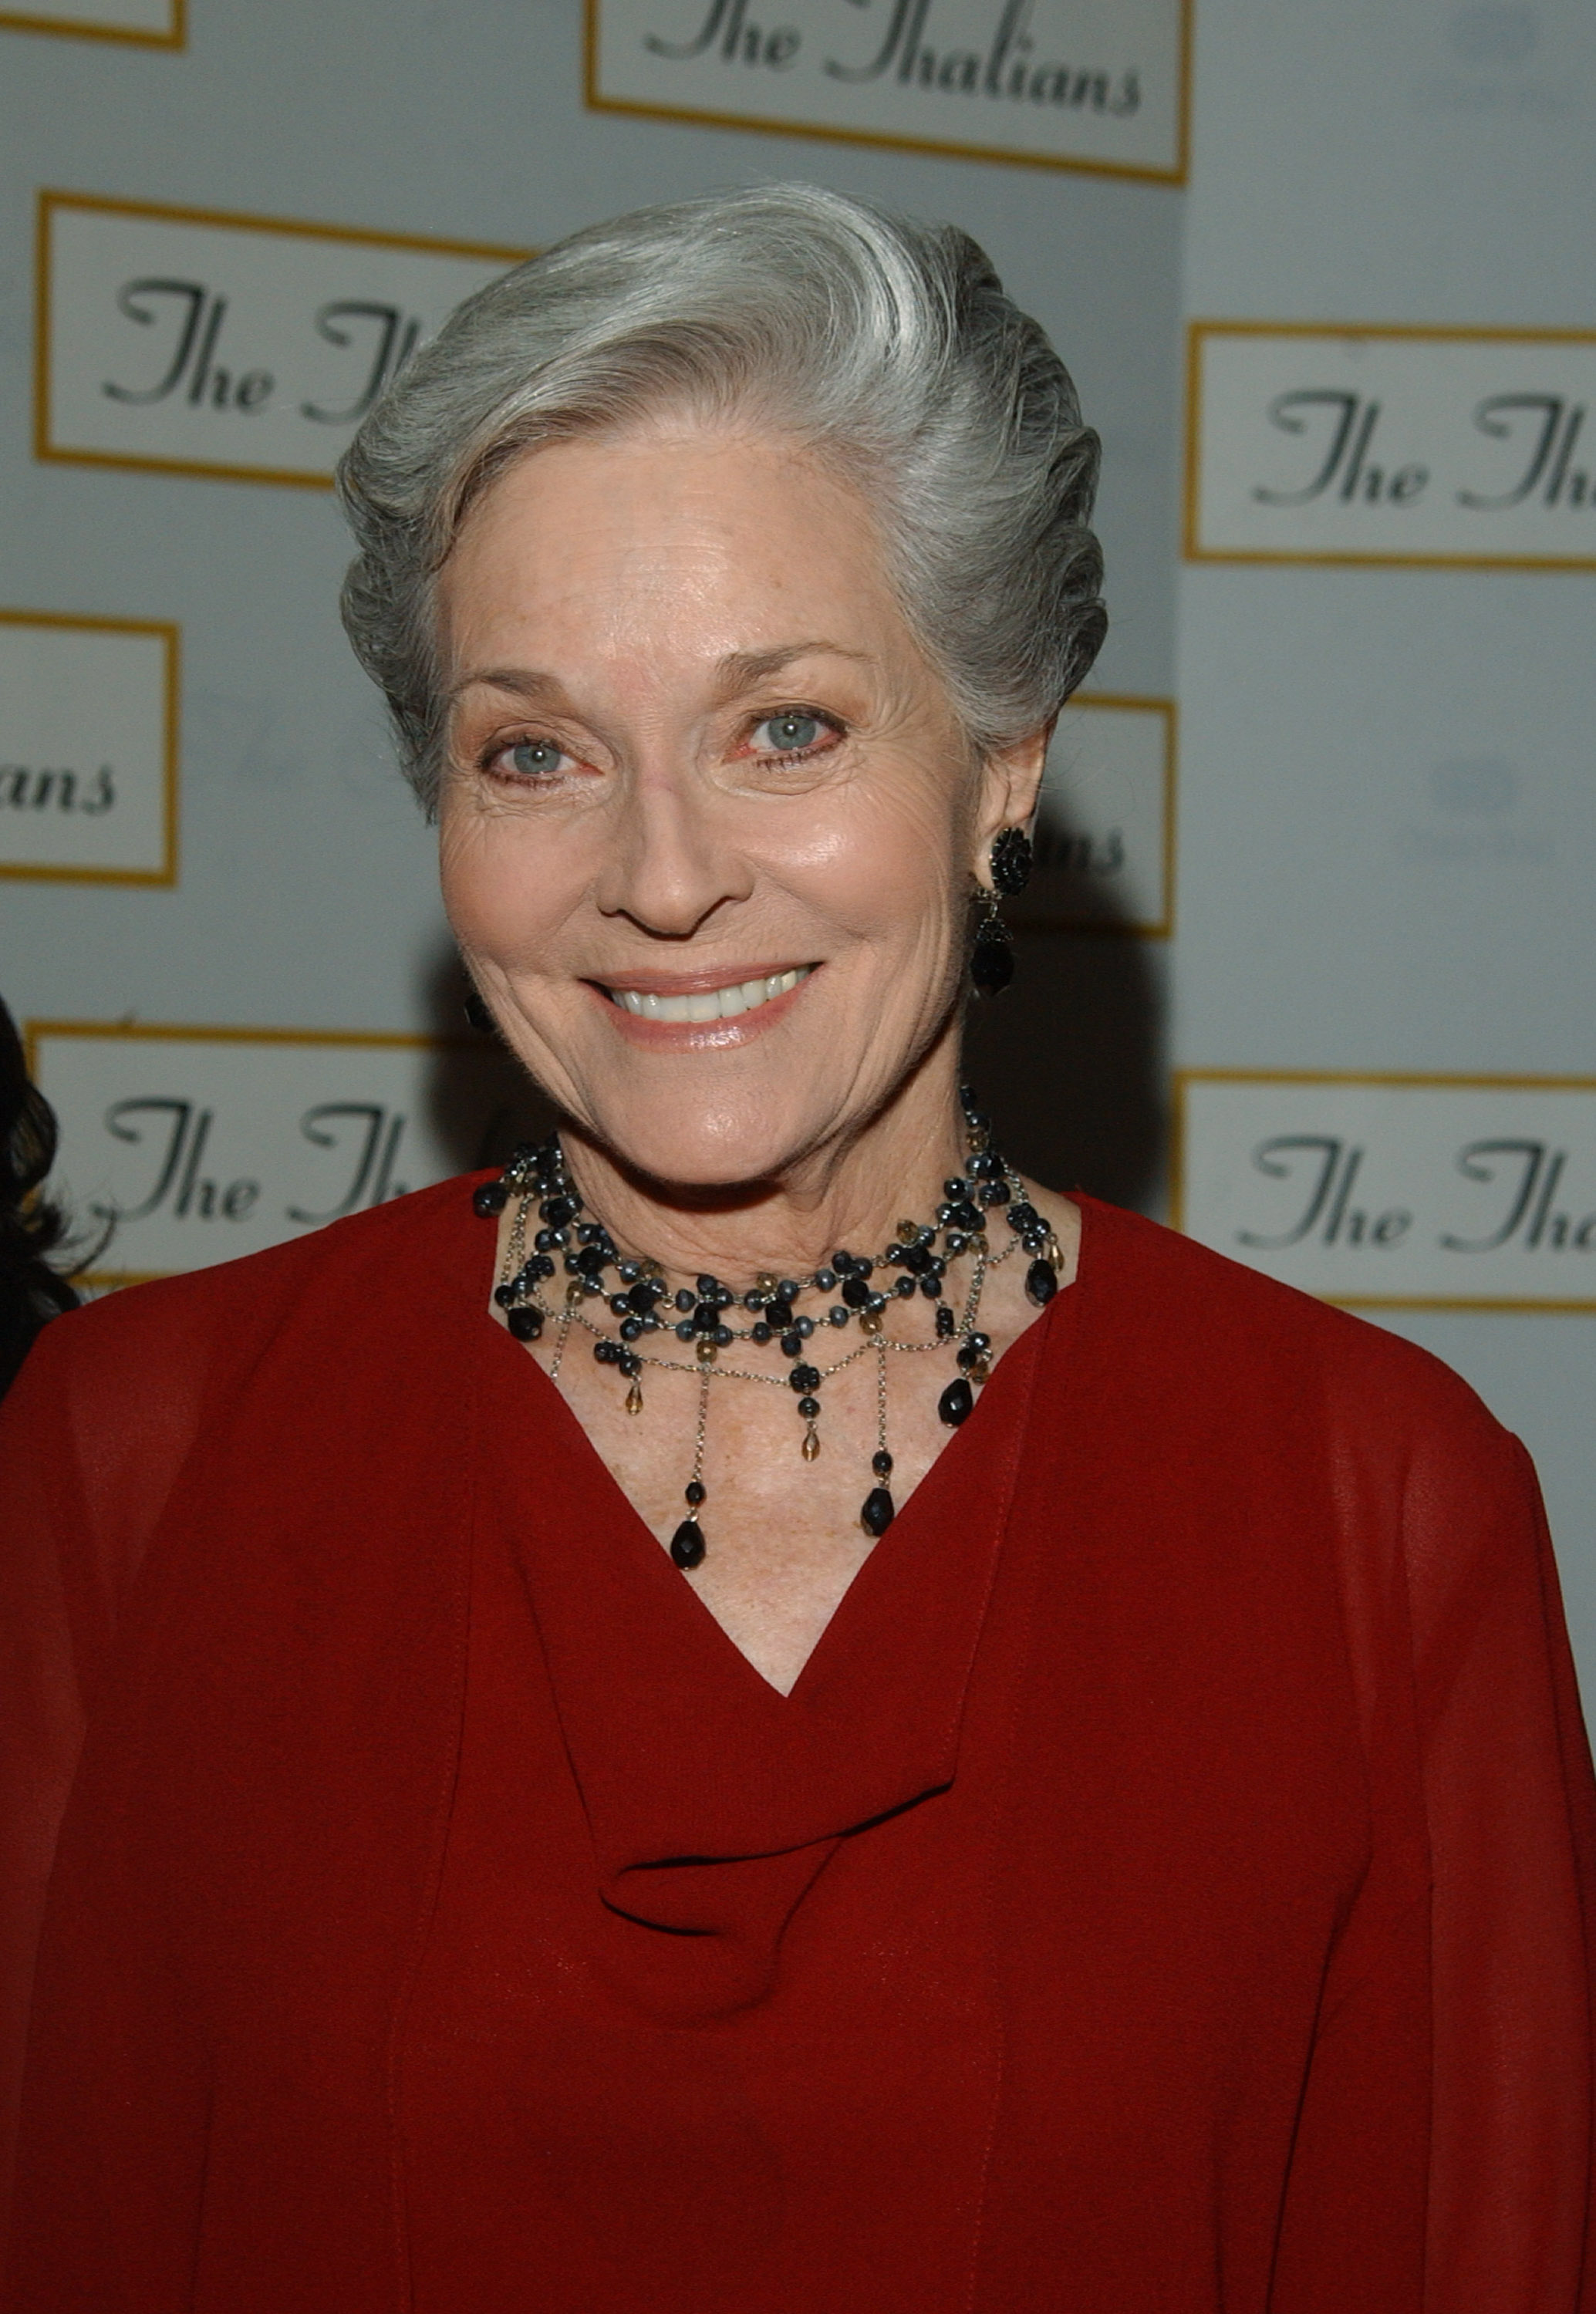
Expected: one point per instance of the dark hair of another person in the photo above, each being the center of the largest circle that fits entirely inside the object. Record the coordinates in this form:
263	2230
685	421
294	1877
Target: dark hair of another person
31	1229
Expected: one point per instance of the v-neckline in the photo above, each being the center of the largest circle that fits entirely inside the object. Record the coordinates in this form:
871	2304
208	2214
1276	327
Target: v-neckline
1015	1371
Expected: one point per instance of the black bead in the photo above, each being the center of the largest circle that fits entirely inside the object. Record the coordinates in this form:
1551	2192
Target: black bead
778	1315
988	1165
981	1344
904	1286
995	1193
841	1262
1041	1283
803	1327
620	1307
644	1294
932	1286
629	1364
968	1355
684	1300
945	1321
630	1328
605	1353
965	1218
1022	1216
687	1544
558	1211
759	1332
792	1346
956	1188
957	1403
723	1334
507	1294
685	1330
855	1293
1012	859
877	1512
825	1279
916	1259
804	1378
837	1315
706	1318
540	1265
808	1408
992	966
695	1492
881	1463
707	1288
526	1325
489	1197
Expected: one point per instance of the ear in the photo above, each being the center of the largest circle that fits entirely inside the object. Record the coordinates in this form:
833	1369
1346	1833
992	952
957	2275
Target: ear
1011	781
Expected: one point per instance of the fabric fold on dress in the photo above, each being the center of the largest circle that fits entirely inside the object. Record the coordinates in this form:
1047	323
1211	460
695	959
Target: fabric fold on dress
713	1800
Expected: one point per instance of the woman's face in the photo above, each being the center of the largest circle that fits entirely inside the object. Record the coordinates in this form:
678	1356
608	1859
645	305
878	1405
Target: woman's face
710	822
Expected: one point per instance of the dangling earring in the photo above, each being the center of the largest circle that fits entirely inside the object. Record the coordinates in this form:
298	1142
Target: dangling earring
991	961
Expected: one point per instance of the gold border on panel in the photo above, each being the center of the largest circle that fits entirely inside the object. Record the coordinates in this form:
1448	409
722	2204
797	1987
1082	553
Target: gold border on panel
755	126
50	200
188	1032
1099	927
18	20
1424	1081
1197	331
171	637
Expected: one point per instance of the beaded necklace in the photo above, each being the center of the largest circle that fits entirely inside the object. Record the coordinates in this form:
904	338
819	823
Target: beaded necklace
638	1305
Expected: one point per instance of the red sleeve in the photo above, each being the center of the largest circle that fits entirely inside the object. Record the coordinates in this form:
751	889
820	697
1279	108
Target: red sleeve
1511	1808
92	1435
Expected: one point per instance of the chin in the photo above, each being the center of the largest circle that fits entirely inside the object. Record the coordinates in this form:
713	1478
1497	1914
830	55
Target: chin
704	1145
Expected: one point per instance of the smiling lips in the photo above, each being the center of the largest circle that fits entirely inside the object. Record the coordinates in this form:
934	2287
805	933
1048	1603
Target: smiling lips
704	1004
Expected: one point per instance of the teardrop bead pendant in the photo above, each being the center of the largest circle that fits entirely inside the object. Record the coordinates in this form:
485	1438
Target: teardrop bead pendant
878	1511
992	966
957	1403
687	1544
634	1399
1041	1283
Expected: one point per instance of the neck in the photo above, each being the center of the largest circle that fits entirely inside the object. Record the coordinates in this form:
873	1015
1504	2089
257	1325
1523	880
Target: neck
851	1190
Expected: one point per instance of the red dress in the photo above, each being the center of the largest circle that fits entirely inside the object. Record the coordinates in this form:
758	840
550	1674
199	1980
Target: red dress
1166	1890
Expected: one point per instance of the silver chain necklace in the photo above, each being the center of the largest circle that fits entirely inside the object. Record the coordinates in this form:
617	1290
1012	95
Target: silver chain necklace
638	1305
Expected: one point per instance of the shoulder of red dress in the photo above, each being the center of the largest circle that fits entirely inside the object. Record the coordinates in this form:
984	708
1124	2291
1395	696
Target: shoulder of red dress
1155	1292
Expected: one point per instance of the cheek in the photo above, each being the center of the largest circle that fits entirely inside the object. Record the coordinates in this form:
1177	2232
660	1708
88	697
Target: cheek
499	898
888	866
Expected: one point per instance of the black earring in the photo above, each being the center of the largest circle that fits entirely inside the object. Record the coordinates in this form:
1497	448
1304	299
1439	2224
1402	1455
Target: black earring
1012	861
991	959
477	1012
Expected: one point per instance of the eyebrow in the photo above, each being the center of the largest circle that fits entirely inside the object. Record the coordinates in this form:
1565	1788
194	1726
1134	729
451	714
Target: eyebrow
737	672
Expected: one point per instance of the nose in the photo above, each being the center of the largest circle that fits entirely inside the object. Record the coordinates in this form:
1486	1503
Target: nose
671	862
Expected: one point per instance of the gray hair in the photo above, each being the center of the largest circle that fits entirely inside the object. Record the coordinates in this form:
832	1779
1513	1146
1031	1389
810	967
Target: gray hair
886	346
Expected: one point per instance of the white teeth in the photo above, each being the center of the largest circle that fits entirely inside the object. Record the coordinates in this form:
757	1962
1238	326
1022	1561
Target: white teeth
710	1003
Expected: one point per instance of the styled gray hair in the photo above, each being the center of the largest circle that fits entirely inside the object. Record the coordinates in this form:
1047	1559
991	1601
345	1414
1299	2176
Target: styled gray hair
886	346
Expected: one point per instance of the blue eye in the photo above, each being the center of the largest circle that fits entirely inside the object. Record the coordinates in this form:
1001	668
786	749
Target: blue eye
535	759
793	732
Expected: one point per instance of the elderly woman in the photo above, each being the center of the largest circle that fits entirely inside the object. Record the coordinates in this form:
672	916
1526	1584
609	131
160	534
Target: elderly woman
761	1715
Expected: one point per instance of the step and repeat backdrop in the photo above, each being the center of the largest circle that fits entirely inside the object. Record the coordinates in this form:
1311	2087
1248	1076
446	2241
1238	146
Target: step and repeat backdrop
1310	955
